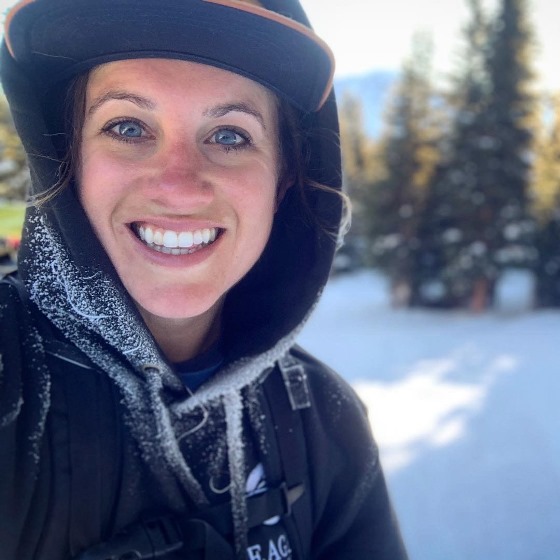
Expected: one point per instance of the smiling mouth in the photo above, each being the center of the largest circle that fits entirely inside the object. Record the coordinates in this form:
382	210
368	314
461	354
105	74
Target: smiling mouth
175	242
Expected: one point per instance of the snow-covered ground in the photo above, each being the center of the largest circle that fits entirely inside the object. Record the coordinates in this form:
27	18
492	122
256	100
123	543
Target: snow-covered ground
466	411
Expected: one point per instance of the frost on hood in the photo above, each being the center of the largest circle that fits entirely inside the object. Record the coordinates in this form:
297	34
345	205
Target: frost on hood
82	301
35	403
91	312
14	409
236	456
42	398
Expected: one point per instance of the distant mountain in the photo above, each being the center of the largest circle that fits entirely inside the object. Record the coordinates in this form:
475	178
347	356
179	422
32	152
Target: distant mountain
373	90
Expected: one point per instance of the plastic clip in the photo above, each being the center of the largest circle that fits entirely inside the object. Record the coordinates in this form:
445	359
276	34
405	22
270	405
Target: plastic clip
290	496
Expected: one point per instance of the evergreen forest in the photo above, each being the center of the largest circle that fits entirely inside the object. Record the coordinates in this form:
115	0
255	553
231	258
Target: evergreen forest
463	183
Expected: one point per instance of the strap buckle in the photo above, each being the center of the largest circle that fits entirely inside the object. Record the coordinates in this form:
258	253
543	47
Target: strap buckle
290	496
295	380
146	540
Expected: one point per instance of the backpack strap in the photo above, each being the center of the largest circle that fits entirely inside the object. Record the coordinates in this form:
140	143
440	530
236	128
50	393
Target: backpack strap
287	394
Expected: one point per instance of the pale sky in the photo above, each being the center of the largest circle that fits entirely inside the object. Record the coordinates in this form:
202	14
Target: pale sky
367	35
377	34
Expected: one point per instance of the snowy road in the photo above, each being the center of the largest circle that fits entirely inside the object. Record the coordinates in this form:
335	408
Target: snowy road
466	412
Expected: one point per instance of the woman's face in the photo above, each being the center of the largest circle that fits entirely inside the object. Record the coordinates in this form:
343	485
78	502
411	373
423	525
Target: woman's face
178	175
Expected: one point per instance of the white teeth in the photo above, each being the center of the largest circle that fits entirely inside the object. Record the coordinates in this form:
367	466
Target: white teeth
186	239
174	243
169	239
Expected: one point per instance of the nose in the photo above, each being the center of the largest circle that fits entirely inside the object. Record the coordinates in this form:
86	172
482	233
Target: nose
182	174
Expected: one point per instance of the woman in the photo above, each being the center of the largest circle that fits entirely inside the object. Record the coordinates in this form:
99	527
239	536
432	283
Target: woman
153	403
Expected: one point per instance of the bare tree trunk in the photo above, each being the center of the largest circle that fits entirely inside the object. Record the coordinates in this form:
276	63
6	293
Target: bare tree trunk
480	296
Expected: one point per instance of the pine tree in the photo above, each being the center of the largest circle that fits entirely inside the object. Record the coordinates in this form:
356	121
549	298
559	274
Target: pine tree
547	268
510	116
409	154
452	255
546	203
358	167
354	141
546	171
476	220
357	157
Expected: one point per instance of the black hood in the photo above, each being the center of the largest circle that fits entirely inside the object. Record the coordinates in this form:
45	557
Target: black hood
266	306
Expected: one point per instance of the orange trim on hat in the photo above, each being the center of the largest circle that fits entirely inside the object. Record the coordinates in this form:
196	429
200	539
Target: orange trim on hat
253	2
13	11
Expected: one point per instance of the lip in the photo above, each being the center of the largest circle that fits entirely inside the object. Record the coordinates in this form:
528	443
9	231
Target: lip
176	224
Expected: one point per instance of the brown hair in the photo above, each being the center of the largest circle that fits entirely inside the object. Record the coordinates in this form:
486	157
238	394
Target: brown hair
73	115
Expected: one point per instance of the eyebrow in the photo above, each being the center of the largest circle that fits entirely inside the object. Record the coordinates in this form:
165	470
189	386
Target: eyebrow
145	103
142	102
222	110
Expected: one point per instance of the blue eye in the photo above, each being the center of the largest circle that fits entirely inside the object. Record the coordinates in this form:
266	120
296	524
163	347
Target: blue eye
128	129
229	138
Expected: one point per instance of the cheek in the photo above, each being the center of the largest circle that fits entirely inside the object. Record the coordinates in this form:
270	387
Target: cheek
249	176
97	193
87	194
100	181
258	200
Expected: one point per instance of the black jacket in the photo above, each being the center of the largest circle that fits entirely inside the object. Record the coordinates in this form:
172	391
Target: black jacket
74	473
98	433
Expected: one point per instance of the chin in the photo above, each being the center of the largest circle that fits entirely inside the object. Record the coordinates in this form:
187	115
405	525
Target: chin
179	306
